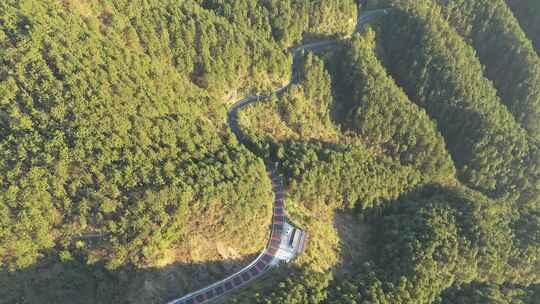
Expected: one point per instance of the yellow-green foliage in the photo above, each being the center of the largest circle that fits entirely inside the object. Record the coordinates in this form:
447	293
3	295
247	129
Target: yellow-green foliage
427	243
120	180
289	21
323	253
302	112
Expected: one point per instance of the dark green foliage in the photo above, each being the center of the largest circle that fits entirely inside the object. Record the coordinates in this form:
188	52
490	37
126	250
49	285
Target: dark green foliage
288	21
492	153
381	113
302	286
63	279
352	175
428	242
120	178
507	55
343	174
421	249
458	233
492	294
110	122
440	72
527	11
438	237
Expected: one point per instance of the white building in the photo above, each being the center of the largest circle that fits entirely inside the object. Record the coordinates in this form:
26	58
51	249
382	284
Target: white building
292	243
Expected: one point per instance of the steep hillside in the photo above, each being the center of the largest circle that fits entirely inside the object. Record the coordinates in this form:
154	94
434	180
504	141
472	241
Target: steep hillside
380	113
429	244
435	241
109	139
327	170
114	145
289	21
409	151
491	151
527	11
506	53
440	72
296	129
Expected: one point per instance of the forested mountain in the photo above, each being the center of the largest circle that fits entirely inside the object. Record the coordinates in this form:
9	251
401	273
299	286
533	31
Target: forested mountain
465	105
409	150
88	131
433	242
527	11
509	59
380	112
330	169
491	293
288	21
430	253
113	138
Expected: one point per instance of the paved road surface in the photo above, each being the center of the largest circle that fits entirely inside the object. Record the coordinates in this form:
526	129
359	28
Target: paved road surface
267	258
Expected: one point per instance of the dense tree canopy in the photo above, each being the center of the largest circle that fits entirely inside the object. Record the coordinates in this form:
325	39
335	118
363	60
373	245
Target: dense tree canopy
491	293
382	114
409	151
440	72
90	135
440	243
288	21
507	54
527	12
327	168
426	245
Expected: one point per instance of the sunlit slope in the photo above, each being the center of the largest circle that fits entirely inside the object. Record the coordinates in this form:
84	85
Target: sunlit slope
115	150
289	21
433	242
406	151
100	132
328	171
323	164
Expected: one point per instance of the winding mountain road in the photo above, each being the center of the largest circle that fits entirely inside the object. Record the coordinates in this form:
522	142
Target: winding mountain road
281	231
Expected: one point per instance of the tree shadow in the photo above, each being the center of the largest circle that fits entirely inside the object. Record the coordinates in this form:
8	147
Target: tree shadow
308	37
354	239
54	281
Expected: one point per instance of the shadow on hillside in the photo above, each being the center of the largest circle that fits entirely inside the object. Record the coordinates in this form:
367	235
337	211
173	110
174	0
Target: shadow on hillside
309	37
73	282
53	281
354	240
